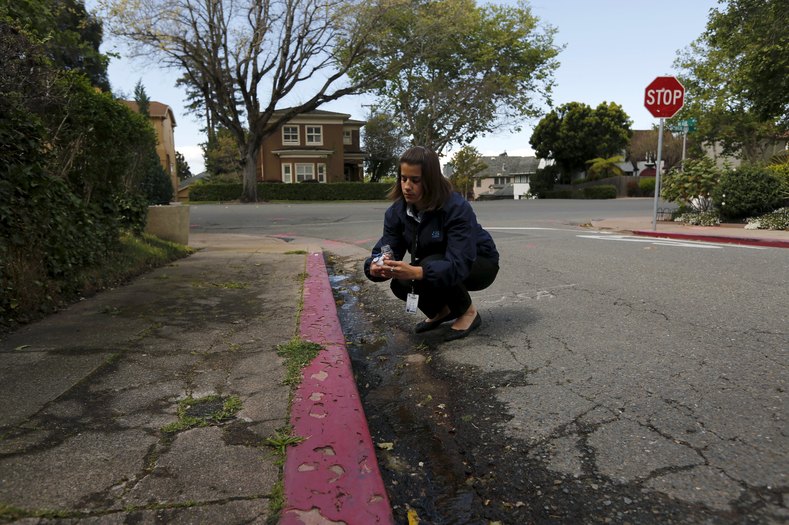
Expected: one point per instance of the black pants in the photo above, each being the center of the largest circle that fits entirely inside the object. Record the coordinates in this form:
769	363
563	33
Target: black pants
432	299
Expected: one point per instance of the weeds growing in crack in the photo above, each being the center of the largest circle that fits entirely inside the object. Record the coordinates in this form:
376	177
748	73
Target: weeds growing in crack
202	412
282	439
298	354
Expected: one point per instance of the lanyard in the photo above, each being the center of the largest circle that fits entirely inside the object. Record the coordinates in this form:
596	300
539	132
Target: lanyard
414	246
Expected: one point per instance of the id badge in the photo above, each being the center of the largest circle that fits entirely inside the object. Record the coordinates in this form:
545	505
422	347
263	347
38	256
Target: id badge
411	303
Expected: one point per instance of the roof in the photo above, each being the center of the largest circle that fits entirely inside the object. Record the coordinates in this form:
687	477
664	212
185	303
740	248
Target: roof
191	180
504	165
155	109
320	114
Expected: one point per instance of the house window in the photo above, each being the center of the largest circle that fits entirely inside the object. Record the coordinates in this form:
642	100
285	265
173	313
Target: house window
478	183
321	172
305	172
287	173
315	135
290	135
347	137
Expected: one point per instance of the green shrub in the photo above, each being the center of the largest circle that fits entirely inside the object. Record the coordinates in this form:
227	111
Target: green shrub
745	192
132	212
603	191
203	191
541	183
781	173
156	184
691	186
557	194
207	191
646	186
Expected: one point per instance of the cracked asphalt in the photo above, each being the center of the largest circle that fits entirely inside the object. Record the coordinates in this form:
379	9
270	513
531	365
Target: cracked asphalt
593	393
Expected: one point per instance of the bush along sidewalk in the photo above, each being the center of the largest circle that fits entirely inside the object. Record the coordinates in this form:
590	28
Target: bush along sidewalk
777	220
708	196
269	191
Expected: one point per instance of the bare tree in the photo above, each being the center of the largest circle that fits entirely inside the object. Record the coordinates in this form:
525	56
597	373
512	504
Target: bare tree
252	54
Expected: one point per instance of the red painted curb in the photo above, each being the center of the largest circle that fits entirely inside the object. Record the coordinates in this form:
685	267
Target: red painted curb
749	241
332	476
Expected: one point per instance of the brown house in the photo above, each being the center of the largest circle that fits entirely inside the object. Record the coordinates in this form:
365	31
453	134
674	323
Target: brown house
163	122
318	145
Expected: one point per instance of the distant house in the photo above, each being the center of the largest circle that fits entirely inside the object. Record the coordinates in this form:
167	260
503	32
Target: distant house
505	177
163	122
320	146
768	149
184	186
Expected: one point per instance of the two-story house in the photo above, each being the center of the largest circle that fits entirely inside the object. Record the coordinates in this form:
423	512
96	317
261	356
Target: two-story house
505	176
163	121
319	145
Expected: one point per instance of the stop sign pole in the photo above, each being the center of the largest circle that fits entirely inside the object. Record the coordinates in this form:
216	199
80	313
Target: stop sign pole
663	97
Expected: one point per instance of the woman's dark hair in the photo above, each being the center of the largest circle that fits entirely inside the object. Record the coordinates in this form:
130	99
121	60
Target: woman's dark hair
435	186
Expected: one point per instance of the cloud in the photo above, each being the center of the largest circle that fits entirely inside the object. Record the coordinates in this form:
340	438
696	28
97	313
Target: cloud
194	157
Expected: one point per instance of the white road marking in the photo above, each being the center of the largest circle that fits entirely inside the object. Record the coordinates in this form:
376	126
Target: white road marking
527	228
669	242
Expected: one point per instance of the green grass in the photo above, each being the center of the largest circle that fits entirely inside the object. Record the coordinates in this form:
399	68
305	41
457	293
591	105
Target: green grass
133	256
282	439
298	354
215	413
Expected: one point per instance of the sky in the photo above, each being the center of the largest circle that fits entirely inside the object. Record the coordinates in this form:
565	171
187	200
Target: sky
613	49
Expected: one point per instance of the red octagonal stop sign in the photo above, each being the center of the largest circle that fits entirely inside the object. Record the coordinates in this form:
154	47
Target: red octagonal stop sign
664	96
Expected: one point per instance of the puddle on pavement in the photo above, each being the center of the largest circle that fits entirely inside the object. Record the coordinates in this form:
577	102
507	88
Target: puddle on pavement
405	407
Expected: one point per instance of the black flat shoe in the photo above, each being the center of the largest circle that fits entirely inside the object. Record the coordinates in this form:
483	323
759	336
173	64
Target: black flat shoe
460	334
426	326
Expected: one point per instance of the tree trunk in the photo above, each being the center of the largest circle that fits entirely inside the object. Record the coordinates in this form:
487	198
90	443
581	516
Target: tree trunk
250	192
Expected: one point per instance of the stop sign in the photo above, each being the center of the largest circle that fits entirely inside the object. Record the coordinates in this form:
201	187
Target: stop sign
664	96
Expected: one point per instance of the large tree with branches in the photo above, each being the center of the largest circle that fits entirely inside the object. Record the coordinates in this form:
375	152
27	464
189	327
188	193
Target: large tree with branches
462	70
250	57
736	76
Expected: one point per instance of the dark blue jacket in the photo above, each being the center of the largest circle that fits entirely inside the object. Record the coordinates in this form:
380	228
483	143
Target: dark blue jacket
451	231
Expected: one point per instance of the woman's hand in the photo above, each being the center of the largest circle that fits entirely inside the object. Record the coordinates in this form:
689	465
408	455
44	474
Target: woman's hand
403	270
391	269
380	271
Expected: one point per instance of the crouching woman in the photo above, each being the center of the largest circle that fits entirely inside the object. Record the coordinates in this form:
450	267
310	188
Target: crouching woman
450	252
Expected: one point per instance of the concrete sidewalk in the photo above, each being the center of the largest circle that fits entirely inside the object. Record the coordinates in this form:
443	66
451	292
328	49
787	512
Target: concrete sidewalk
94	428
725	233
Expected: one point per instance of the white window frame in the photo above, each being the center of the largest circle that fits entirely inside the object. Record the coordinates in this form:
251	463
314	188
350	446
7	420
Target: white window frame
287	173
321	172
309	133
290	141
347	137
303	165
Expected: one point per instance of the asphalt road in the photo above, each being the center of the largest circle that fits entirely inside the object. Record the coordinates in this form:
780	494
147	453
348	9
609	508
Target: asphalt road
614	379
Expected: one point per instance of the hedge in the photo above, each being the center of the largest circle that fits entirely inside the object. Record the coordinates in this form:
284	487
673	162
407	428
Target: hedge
603	191
267	191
